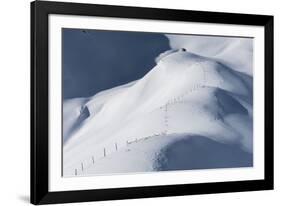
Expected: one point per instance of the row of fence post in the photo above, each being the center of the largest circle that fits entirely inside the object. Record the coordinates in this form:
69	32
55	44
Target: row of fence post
116	149
93	158
136	140
175	100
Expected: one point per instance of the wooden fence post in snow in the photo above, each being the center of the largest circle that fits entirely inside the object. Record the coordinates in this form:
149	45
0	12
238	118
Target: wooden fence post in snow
93	159
75	172
104	153
82	167
116	146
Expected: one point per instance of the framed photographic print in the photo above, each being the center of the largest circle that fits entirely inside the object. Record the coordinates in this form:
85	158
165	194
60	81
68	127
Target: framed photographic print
133	102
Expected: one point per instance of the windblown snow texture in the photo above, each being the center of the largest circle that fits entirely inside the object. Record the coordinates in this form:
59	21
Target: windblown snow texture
192	110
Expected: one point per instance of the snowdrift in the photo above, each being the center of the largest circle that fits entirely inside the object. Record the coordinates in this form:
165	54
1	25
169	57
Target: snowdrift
185	101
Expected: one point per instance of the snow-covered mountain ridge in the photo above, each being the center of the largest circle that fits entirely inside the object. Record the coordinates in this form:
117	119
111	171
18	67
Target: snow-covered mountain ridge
124	129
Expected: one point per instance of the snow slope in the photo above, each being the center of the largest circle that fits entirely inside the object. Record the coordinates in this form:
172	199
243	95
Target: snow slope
132	127
234	52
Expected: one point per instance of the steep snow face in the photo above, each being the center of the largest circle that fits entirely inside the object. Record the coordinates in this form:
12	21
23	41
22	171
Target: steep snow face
185	95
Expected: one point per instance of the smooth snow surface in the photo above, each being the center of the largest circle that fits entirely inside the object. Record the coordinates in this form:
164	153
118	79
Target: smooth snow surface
185	106
234	52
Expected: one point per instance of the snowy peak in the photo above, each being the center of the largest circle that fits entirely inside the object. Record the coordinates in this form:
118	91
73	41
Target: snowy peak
183	94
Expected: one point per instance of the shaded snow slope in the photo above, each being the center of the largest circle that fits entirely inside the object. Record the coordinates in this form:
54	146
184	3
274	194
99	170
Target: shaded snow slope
197	152
184	95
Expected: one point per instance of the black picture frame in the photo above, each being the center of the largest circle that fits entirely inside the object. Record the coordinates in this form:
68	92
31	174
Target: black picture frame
40	109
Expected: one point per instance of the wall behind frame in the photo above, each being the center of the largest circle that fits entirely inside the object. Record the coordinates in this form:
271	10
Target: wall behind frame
14	103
